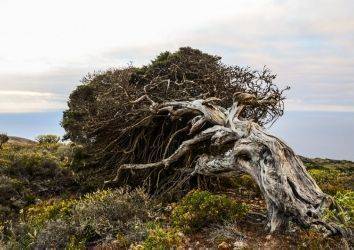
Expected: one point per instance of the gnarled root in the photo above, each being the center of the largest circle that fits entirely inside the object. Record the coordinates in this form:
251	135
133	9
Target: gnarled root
216	133
289	191
291	194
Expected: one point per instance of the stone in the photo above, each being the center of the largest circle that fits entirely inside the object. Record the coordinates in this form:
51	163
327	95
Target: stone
224	246
239	245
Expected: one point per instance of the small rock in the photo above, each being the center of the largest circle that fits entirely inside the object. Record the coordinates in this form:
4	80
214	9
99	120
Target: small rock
115	242
224	246
136	247
240	245
196	244
180	234
345	244
268	237
168	208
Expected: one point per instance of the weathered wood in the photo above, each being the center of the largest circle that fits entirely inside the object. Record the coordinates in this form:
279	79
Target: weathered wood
289	191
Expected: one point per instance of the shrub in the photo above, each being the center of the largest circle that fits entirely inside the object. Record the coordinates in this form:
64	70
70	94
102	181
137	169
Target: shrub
227	232
38	215
331	180
47	139
31	164
12	194
31	173
346	201
108	212
103	216
162	238
323	176
243	184
3	139
199	208
64	152
54	235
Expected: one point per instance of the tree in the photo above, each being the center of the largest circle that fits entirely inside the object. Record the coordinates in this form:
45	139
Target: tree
185	119
3	139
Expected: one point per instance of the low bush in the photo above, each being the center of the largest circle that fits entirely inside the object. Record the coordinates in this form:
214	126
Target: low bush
331	180
345	200
38	215
48	139
163	238
243	185
107	213
32	165
228	232
200	208
31	173
12	196
3	139
100	217
55	234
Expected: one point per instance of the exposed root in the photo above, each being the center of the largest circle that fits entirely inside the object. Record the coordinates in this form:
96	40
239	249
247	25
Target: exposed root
290	192
181	151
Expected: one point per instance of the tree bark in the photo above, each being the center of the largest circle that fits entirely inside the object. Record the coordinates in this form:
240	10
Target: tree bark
291	194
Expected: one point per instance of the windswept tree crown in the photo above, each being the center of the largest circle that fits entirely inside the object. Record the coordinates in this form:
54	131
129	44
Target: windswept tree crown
117	116
107	103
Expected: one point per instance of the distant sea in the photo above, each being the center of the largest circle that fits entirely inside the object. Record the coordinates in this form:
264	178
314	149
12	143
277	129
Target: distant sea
30	125
318	134
312	134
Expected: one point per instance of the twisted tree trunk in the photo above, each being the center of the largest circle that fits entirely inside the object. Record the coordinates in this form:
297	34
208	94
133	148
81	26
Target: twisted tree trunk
289	191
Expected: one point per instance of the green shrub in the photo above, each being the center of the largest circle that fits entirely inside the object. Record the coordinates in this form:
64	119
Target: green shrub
55	234
103	216
325	175
162	238
200	208
32	164
3	139
346	202
227	232
64	152
31	173
10	196
38	215
331	180
48	139
108	212
243	184
337	183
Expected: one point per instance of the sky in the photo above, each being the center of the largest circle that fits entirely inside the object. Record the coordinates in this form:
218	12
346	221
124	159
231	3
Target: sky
46	47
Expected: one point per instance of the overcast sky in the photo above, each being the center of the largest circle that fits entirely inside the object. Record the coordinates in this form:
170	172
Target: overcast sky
46	47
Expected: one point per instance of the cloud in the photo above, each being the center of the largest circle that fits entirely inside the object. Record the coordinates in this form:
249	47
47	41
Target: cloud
57	80
307	43
300	105
29	101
